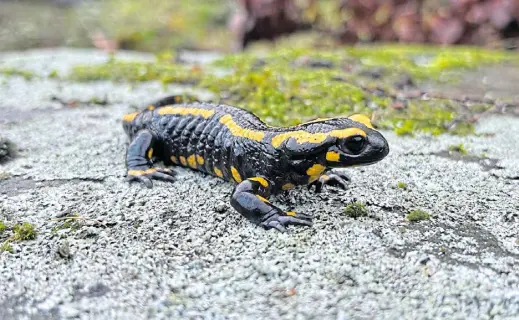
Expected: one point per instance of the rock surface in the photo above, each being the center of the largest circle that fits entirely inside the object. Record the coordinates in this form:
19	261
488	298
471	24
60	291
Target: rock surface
179	251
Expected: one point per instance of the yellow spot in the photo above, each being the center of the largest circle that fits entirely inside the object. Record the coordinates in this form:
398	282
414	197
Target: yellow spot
183	160
129	117
362	119
141	172
150	153
288	186
325	177
151	107
235	174
191	161
307	137
332	156
291	213
200	160
238	131
218	172
261	180
315	171
204	113
174	159
262	199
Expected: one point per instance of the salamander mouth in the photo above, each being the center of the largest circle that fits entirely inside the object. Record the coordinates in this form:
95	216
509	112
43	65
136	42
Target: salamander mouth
372	154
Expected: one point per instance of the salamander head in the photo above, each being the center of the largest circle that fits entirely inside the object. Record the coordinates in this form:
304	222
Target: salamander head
340	142
360	144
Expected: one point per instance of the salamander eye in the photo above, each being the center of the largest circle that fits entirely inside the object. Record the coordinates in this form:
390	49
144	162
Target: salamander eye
355	144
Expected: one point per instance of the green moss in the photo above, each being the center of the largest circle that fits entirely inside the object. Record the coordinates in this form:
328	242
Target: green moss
2	227
6	246
460	148
418	215
157	25
291	85
114	70
24	231
17	72
53	74
356	210
401	185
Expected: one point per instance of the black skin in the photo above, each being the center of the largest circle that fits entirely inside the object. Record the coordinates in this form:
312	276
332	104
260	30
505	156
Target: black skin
235	145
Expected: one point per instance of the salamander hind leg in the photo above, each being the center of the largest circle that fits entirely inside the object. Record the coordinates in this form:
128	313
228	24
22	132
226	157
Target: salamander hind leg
332	178
139	161
248	198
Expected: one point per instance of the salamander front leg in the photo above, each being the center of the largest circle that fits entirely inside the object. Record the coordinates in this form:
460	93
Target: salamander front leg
332	178
139	161
249	199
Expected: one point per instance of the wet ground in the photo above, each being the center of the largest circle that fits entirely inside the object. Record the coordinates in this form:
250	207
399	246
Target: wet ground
179	251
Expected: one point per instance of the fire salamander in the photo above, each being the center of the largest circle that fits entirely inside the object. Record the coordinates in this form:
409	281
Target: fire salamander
235	145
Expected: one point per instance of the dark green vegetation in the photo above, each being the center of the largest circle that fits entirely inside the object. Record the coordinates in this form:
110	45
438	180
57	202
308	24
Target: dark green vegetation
418	215
356	210
289	86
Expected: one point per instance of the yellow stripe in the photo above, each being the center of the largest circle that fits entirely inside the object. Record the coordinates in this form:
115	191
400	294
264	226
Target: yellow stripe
288	186
262	199
235	174
151	107
130	117
204	113
150	153
332	156
361	119
191	161
200	160
291	213
218	172
238	131
261	180
307	137
183	160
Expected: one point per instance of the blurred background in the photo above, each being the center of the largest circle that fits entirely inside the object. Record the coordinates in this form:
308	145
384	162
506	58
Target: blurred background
234	25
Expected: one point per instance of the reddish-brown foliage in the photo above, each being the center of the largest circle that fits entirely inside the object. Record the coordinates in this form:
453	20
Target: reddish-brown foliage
479	22
264	20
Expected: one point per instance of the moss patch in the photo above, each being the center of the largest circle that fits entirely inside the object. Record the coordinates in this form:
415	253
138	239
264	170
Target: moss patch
356	210
2	227
459	148
17	72
6	246
290	86
401	185
24	231
418	215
